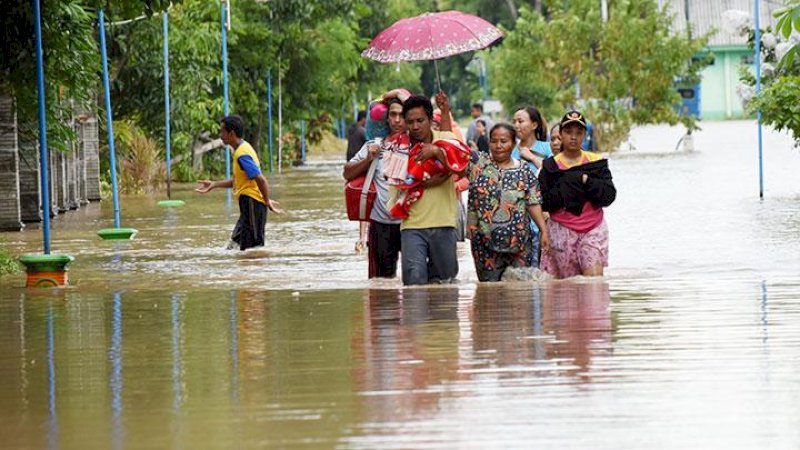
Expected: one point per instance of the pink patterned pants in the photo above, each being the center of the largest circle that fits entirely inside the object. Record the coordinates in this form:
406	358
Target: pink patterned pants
571	252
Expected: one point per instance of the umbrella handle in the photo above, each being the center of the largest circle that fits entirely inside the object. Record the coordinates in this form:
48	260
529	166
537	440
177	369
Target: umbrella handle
438	78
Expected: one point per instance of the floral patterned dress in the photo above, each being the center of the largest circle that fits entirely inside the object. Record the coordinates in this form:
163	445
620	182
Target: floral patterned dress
498	220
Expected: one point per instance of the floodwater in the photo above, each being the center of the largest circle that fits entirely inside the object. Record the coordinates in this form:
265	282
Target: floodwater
170	341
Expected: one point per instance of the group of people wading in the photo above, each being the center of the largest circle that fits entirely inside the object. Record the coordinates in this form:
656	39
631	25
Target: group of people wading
534	200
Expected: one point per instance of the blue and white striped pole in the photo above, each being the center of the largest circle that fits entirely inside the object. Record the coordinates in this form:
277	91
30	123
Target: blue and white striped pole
45	182
112	154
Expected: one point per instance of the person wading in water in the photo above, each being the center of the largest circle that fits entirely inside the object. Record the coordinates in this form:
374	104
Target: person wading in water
249	185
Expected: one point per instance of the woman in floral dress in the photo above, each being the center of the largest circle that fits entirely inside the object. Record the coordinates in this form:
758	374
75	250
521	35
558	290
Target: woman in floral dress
503	200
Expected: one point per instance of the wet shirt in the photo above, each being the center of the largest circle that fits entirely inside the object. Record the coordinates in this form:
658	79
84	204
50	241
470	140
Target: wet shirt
498	203
379	211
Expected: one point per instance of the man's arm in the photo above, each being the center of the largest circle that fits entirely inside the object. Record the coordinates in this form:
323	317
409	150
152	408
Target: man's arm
206	185
356	166
263	186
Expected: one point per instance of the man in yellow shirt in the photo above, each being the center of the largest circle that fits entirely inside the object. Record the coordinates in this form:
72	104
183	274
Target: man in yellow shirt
428	234
249	185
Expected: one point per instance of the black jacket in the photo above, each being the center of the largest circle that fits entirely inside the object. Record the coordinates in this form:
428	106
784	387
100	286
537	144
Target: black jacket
565	188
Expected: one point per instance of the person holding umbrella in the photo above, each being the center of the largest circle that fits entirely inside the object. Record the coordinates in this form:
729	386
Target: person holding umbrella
428	236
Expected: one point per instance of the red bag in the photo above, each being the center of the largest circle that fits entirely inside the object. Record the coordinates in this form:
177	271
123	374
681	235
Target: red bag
360	194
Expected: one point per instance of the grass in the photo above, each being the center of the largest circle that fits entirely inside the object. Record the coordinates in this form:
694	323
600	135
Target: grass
330	147
8	264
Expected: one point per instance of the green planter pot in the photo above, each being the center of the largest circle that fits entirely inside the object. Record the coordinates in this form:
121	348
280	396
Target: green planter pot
46	270
117	234
171	203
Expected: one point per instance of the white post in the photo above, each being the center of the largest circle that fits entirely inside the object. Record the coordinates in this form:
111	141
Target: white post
604	10
280	118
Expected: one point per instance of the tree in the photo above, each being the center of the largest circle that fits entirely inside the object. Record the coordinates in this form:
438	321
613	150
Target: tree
313	46
789	27
620	73
195	75
780	73
71	58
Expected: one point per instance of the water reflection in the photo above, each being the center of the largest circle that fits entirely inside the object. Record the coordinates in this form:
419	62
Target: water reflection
558	327
177	367
115	381
410	347
233	317
52	412
383	368
176	316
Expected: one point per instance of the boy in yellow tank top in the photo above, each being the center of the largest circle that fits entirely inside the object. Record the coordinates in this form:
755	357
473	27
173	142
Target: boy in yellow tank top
249	185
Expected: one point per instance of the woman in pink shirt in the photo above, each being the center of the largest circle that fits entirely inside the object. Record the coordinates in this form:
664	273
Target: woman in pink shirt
576	185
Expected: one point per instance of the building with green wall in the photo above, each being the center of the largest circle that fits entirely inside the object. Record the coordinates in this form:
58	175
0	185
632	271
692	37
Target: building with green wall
718	97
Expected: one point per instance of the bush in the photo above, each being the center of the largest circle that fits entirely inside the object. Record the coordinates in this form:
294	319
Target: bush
779	106
780	78
141	167
8	264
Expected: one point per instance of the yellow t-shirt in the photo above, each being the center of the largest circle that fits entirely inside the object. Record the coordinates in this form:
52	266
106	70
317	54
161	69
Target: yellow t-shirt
437	207
585	158
241	184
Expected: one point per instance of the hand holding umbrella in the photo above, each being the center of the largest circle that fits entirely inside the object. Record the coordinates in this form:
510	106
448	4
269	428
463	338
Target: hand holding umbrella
432	36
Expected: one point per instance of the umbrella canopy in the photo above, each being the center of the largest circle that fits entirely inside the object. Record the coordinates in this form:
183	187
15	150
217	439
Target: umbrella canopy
431	36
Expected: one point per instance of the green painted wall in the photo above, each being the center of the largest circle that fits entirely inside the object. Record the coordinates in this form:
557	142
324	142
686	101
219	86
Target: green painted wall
718	98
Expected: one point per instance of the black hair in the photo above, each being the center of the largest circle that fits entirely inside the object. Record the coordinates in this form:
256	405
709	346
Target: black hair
233	124
361	116
482	122
394	100
557	125
478	106
541	130
506	126
417	101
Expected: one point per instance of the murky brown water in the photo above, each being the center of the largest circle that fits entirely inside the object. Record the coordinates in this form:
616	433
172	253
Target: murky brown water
170	341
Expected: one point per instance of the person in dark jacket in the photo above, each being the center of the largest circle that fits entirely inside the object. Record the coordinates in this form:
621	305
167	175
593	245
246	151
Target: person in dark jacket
576	185
356	135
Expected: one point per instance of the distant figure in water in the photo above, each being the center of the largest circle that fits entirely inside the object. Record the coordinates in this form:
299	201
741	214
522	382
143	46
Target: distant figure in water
249	185
576	186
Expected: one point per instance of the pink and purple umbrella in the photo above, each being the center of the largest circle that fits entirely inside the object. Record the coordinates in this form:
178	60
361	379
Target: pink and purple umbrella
431	36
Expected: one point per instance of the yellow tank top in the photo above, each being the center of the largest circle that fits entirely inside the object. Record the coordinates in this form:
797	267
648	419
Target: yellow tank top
241	184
